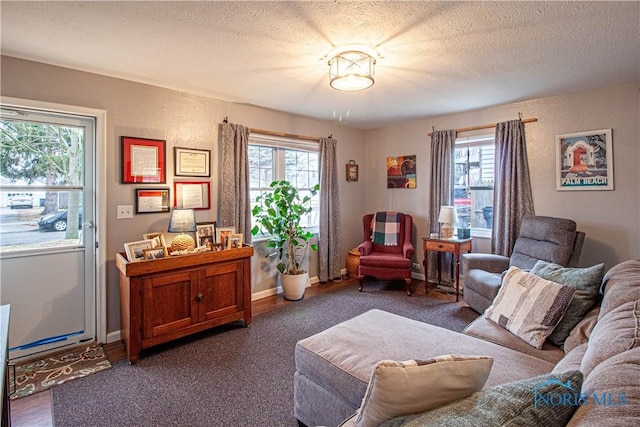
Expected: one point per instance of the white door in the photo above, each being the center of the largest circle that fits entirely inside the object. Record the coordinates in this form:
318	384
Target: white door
47	237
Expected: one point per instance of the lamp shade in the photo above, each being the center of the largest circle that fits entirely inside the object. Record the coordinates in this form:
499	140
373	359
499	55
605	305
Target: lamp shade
448	215
351	70
182	221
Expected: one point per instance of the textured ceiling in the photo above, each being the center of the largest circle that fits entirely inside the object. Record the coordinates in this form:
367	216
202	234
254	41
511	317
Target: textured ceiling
435	57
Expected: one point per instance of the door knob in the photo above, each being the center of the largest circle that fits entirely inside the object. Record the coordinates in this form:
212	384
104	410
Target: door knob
199	297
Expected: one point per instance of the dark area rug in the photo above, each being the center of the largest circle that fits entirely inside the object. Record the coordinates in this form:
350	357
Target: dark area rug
37	375
232	375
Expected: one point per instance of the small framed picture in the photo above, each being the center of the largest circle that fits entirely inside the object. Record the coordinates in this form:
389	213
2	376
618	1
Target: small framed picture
234	241
352	171
217	247
135	250
191	162
152	200
155	253
157	241
206	234
223	234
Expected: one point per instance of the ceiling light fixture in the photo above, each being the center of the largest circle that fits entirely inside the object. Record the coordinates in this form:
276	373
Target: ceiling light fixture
351	70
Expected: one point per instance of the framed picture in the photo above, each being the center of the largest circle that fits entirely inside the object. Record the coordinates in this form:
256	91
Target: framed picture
191	162
401	172
193	194
352	171
234	241
157	241
206	234
135	250
142	161
223	234
584	161
152	200
155	253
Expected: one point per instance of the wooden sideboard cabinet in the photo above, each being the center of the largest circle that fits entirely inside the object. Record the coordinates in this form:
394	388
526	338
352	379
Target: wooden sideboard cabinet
165	299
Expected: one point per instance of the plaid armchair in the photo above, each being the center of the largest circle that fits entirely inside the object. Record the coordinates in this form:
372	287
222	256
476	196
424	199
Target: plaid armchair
387	248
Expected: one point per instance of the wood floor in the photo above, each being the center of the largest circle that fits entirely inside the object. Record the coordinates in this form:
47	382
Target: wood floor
36	410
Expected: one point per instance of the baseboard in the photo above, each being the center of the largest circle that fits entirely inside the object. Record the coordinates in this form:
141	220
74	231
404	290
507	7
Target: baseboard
114	336
419	276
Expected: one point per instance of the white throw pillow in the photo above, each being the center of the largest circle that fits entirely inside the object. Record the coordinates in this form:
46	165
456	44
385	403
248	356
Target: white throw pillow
402	388
529	306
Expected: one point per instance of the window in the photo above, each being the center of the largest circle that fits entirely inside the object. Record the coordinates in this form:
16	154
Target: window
473	182
296	161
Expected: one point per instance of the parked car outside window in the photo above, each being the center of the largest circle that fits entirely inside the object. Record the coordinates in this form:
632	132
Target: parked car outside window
56	221
21	201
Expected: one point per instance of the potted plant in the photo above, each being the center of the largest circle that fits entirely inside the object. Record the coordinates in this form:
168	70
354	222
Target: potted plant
278	215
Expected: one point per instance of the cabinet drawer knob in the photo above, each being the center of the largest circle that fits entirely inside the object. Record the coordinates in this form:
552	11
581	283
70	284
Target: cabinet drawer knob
199	297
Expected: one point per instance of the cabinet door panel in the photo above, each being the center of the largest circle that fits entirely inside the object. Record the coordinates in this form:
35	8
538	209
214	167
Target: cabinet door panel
168	304
222	290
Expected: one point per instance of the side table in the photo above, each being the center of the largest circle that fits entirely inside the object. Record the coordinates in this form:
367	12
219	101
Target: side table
453	246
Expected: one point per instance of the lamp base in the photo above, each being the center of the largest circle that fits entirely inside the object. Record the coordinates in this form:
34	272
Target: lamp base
183	242
446	230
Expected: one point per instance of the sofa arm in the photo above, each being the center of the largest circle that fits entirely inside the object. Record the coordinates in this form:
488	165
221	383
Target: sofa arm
365	248
487	262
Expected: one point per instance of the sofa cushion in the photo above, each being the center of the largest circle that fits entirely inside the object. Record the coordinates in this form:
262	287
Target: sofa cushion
611	393
529	306
521	403
399	388
614	333
572	361
620	285
487	330
341	358
582	331
586	282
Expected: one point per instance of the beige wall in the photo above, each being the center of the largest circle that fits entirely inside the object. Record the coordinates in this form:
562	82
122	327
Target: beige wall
611	219
183	120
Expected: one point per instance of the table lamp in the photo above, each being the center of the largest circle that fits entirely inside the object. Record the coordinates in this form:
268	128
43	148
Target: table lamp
182	221
448	216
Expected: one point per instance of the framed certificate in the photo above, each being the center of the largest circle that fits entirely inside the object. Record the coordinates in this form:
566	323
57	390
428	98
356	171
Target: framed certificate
192	194
142	161
192	162
152	200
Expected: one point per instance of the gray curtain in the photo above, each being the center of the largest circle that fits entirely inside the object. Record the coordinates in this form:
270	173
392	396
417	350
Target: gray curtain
441	191
235	203
329	248
512	198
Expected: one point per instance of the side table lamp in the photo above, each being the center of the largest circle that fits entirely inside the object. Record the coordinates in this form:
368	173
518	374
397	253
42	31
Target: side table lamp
182	221
447	218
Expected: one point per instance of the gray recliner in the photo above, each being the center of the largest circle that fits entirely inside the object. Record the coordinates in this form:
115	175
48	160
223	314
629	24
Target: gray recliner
544	238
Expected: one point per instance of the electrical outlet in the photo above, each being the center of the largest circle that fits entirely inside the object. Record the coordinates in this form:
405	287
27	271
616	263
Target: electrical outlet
416	266
125	211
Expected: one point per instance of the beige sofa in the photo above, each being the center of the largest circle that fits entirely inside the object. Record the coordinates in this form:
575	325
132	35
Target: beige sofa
333	367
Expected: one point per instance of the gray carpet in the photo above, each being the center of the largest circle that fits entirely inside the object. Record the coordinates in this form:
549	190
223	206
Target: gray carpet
232	375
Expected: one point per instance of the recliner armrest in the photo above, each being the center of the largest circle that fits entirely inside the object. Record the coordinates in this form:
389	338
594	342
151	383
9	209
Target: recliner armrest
365	248
487	262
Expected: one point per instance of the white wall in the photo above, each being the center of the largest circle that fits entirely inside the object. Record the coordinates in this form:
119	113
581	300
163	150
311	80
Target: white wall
611	219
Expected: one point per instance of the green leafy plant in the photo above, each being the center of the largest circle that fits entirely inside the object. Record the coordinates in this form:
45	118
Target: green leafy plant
278	215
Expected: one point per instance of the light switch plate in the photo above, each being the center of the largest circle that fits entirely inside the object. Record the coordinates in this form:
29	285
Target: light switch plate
125	211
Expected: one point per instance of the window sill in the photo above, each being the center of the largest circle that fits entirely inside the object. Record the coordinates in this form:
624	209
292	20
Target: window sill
481	233
263	238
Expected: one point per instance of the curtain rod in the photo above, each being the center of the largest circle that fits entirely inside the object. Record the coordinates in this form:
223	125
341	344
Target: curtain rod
489	126
288	135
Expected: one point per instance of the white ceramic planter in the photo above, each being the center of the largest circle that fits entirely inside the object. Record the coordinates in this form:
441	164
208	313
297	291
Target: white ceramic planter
293	285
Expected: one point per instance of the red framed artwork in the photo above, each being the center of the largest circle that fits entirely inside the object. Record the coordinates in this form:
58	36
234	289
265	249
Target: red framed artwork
192	194
143	160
